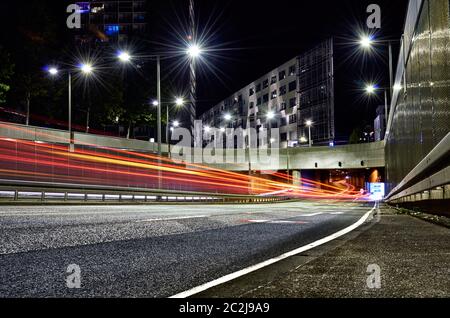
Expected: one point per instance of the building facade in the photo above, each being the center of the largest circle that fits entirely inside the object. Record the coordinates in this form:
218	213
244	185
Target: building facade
379	124
299	90
419	119
111	20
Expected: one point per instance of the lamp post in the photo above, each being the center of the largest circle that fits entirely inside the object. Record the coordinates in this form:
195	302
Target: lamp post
309	123
85	69
367	42
372	89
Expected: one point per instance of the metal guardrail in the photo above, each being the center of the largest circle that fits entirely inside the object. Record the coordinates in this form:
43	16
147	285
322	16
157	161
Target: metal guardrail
17	190
432	172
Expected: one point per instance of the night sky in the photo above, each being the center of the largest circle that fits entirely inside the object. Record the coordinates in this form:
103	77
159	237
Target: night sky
251	37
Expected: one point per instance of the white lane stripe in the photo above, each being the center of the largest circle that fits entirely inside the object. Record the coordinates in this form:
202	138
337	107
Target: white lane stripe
311	214
175	218
256	267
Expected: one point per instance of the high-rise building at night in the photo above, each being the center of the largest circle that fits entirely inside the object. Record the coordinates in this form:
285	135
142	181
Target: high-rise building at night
298	91
111	20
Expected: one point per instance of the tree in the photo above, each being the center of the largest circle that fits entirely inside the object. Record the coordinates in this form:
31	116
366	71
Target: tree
6	72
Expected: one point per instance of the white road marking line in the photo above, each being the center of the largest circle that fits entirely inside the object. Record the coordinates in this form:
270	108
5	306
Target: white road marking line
256	267
174	219
311	214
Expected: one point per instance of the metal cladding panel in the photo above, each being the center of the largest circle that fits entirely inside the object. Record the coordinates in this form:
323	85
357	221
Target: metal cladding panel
421	116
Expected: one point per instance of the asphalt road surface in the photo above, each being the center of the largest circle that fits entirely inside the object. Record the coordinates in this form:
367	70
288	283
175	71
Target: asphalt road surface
151	251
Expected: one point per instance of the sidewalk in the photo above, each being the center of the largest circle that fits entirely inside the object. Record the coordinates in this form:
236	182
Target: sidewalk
413	255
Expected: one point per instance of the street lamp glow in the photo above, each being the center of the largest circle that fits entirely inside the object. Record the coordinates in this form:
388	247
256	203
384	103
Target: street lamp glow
270	115
309	123
227	117
370	89
53	71
207	128
222	129
397	87
303	140
179	101
366	41
176	124
86	68
155	103
124	57
194	50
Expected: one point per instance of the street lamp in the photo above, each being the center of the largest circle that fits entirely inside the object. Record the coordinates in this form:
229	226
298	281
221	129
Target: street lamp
366	41
86	69
371	89
194	51
155	103
309	123
124	57
270	115
227	117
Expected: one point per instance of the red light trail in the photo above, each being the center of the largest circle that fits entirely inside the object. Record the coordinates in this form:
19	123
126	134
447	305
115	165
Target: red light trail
50	162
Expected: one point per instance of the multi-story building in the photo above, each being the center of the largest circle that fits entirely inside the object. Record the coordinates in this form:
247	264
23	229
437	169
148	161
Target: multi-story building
380	124
111	20
298	91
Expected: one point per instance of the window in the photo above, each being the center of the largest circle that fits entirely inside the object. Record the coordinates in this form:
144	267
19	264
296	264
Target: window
251	92
258	88
283	121
273	95
282	75
265	84
283	106
283	137
283	90
252	104
293	119
266	98
258	102
292	86
292	70
293	102
273	80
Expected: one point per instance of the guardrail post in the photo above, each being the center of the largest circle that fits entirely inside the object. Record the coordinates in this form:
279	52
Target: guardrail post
16	195
43	196
103	197
66	196
85	197
120	198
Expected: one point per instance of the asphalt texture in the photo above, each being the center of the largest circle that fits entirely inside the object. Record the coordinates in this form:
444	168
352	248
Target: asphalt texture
151	251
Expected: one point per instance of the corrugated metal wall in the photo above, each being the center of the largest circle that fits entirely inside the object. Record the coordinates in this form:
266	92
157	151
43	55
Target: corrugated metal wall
421	110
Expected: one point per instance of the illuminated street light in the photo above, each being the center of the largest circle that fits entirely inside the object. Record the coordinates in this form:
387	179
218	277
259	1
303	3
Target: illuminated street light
366	41
53	71
179	101
370	89
86	68
397	87
124	57
155	103
270	115
303	140
222	129
227	117
309	123
207	128
176	124
194	51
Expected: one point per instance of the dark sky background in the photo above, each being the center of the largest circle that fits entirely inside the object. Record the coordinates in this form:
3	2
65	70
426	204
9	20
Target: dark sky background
253	36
